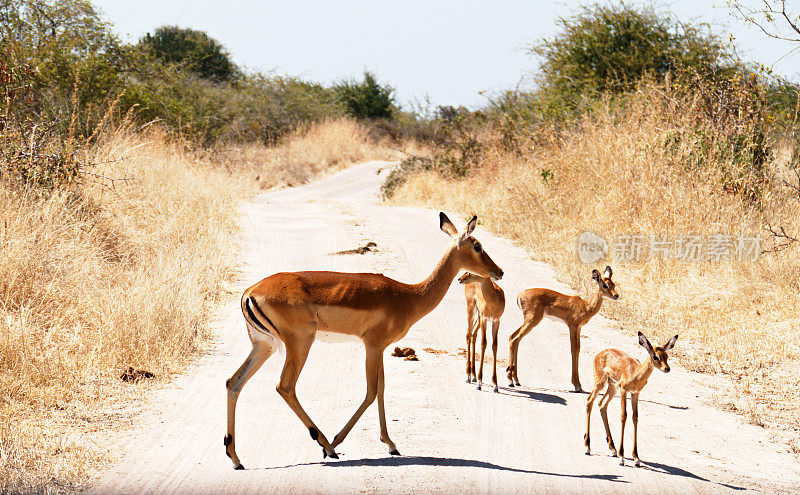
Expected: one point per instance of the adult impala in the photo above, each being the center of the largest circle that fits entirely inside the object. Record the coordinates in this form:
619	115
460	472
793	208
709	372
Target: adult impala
291	308
622	372
572	310
485	303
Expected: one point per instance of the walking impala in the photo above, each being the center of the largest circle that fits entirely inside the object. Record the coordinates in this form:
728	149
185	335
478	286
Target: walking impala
572	310
485	303
292	307
623	372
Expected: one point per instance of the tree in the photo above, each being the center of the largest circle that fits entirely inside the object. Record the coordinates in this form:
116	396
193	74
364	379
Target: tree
611	48
366	99
771	17
193	50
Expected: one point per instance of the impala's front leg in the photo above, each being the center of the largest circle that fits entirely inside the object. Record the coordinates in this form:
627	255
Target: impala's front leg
623	417
635	409
495	329
382	412
374	360
575	350
483	352
470	343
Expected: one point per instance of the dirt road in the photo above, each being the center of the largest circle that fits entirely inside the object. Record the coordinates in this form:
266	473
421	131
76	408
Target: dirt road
454	439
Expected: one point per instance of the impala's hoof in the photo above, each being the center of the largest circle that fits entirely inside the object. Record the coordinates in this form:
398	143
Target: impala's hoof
622	461
239	467
479	386
394	452
496	389
325	454
511	384
588	452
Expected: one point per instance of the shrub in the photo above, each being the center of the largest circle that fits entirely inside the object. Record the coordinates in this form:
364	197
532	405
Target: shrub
366	99
195	51
611	48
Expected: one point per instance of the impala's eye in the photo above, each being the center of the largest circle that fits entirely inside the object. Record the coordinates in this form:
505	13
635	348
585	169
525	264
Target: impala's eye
605	285
477	248
656	359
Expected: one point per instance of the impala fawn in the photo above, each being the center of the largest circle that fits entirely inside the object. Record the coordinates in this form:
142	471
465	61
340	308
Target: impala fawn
485	303
572	310
622	372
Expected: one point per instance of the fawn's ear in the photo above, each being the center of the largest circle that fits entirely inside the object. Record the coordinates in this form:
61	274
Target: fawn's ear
645	343
669	345
446	225
607	273
470	227
595	275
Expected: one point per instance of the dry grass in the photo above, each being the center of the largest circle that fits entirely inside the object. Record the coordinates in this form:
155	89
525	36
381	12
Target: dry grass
97	279
615	176
325	147
122	271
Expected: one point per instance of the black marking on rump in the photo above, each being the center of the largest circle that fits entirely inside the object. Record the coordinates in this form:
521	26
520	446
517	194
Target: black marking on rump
249	305
314	433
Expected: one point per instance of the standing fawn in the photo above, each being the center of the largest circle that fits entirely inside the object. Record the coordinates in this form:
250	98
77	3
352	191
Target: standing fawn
627	374
485	302
572	310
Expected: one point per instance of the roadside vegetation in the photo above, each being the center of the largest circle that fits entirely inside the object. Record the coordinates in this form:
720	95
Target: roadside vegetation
121	170
639	125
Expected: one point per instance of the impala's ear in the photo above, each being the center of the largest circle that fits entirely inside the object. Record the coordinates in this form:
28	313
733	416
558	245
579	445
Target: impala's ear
470	227
607	273
595	275
645	343
446	225
669	345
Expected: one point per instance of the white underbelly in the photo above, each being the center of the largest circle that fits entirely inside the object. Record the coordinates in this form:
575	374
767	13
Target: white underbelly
553	318
335	337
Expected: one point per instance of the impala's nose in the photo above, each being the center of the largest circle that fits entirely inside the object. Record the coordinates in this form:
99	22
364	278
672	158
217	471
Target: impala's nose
498	275
666	369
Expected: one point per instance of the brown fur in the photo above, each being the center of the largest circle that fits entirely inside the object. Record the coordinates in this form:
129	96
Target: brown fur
372	307
485	301
620	371
572	310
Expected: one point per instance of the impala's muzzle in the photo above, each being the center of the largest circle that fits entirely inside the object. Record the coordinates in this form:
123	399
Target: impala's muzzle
496	275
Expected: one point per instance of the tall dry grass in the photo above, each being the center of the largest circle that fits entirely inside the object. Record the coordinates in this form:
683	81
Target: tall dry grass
96	279
305	154
614	175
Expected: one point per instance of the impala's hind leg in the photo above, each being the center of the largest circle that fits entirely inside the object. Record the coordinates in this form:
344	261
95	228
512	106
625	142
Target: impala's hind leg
611	391
262	349
531	320
296	354
495	328
599	382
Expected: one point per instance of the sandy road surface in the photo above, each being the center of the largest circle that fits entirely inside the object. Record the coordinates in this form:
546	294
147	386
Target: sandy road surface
454	439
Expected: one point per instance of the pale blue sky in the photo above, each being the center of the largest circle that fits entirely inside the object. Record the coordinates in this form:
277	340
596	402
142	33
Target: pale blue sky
450	50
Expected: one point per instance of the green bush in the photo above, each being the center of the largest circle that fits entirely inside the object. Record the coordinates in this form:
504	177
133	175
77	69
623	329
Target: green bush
192	50
610	48
366	99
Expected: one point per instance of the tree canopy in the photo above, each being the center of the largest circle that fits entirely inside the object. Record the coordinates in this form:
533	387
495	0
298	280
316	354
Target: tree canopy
194	50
